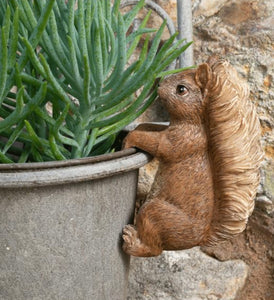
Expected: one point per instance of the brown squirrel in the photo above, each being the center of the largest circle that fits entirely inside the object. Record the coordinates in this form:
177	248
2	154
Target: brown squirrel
209	159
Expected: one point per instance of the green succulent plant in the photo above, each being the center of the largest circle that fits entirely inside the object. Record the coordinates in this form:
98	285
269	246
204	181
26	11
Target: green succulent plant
67	86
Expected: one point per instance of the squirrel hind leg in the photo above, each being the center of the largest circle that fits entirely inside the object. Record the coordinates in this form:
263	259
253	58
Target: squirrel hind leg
160	226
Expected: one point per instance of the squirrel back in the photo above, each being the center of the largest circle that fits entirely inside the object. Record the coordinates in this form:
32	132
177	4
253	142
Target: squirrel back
234	149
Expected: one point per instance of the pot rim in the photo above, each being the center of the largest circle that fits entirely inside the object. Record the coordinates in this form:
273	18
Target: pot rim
71	171
68	162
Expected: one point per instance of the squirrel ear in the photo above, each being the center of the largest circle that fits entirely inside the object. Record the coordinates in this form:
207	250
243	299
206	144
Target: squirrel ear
203	76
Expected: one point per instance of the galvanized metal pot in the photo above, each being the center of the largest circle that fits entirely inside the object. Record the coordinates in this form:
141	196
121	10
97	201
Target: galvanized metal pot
60	227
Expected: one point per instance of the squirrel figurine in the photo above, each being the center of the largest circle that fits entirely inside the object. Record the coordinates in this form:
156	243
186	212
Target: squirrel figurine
209	158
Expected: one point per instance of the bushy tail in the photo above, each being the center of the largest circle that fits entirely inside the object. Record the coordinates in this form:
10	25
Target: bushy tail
235	151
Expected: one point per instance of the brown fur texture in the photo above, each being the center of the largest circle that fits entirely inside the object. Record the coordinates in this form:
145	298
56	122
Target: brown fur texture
209	159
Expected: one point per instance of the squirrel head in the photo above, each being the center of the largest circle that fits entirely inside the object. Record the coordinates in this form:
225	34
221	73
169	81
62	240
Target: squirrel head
184	94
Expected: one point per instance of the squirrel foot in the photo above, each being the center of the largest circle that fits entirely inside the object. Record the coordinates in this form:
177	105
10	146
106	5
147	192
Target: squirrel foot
131	241
133	245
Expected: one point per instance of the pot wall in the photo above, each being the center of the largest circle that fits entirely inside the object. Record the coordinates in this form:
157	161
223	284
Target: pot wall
64	241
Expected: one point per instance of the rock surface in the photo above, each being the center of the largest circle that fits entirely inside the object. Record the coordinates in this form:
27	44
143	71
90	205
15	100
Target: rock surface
187	275
242	31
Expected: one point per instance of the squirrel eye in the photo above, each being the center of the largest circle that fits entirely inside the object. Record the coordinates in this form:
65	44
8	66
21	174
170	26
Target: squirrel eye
181	89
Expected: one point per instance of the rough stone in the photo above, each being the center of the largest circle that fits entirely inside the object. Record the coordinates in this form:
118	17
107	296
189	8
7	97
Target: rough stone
188	275
207	8
269	186
265	203
242	31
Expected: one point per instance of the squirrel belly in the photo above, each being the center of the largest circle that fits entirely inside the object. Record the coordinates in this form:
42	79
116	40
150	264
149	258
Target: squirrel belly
209	159
188	188
184	177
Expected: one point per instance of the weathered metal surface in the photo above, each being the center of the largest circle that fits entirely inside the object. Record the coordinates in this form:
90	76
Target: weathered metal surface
184	17
62	241
66	163
55	175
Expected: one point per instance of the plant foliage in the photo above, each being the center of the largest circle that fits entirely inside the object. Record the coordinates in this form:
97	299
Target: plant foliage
67	86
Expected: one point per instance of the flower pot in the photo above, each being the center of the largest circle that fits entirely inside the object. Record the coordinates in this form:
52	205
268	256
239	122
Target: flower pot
61	227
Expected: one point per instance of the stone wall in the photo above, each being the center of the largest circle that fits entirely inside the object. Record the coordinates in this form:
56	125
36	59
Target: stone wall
242	32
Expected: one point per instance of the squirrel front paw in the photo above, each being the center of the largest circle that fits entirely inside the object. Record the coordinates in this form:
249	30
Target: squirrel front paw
128	141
